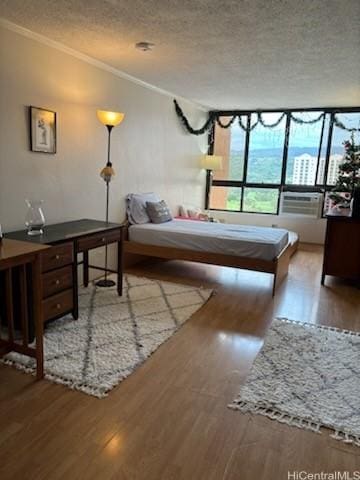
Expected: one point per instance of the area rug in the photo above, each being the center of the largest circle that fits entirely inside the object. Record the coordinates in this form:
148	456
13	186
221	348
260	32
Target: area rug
113	334
307	376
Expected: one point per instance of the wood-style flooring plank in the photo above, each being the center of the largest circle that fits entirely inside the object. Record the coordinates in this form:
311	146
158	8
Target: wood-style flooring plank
169	420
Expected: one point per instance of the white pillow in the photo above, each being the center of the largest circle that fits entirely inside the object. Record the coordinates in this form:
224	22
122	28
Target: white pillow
182	211
189	211
136	207
194	212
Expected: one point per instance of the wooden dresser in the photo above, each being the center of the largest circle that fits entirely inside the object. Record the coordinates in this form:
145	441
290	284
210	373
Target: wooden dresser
58	280
342	248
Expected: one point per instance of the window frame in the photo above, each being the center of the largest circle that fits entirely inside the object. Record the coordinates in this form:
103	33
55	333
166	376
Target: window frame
282	186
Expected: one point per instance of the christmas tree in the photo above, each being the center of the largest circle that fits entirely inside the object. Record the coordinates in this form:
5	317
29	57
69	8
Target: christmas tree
349	175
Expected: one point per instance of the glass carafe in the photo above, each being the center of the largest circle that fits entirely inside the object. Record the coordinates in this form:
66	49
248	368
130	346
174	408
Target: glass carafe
34	219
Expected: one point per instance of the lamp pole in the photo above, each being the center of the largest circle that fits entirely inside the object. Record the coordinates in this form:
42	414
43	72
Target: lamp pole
107	177
110	120
108	283
209	176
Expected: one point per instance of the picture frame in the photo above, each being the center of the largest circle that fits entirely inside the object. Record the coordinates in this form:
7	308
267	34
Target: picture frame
42	130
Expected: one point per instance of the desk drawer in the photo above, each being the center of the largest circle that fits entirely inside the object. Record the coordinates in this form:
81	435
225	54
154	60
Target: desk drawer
58	304
98	240
57	281
57	256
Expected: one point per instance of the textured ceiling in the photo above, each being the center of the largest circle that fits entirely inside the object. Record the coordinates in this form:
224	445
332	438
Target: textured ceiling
222	54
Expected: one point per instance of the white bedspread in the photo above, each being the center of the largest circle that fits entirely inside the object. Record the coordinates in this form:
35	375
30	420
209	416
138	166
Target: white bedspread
241	240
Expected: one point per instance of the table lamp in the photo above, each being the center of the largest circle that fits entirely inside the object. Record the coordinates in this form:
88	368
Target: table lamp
210	163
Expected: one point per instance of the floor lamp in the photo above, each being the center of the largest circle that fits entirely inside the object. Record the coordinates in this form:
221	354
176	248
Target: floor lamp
110	120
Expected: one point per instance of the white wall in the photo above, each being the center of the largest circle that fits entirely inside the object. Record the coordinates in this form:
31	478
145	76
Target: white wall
150	149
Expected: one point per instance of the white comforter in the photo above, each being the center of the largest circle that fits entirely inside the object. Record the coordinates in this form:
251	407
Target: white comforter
241	240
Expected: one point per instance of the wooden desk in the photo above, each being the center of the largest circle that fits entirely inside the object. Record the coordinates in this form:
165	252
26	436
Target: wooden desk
59	263
25	259
342	247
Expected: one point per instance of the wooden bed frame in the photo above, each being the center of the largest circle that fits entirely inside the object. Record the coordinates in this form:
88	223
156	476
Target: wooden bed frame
278	267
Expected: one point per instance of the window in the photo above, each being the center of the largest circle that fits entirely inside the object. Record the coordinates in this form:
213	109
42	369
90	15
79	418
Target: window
259	162
266	151
303	149
222	198
260	200
230	144
339	136
323	150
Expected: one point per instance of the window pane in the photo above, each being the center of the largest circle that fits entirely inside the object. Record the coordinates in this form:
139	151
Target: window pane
230	144
339	136
303	150
266	150
261	200
225	198
321	171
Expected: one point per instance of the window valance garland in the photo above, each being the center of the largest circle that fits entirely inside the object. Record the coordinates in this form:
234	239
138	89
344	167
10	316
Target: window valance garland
216	117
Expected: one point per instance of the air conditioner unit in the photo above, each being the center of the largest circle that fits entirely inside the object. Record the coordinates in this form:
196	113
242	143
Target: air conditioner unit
301	204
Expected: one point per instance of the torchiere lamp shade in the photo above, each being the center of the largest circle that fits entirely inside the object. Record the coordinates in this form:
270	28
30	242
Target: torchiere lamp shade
110	118
211	162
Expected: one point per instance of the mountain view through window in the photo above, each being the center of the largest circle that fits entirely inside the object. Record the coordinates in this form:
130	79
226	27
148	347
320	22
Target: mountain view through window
255	170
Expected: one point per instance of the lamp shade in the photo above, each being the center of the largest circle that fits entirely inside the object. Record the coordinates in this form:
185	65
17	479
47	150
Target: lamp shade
110	118
211	162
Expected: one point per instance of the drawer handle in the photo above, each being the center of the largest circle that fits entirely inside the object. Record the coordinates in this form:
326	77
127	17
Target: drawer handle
57	282
57	257
58	306
103	239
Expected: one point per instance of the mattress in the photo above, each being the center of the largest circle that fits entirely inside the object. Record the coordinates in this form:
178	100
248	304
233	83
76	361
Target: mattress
240	240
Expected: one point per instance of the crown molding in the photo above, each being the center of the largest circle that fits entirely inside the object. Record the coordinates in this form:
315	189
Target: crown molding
90	60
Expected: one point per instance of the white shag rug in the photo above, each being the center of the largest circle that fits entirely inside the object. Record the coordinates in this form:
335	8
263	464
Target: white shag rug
113	334
307	376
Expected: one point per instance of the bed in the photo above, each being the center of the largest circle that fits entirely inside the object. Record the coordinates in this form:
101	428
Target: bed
261	249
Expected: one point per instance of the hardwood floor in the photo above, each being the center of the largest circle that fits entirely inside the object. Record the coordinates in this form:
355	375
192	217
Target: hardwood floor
169	419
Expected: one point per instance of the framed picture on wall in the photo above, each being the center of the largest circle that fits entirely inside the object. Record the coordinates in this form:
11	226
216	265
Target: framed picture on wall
42	130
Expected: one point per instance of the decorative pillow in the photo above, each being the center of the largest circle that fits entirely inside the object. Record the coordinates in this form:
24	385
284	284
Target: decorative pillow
136	207
158	212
